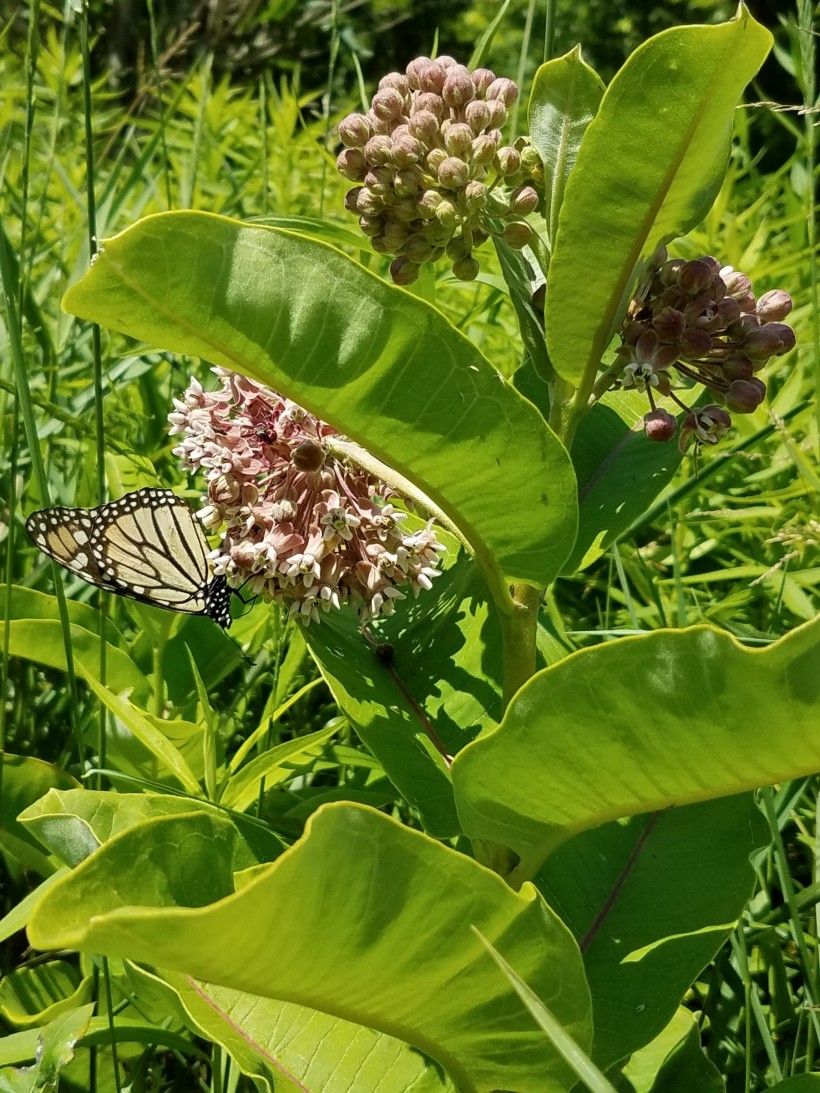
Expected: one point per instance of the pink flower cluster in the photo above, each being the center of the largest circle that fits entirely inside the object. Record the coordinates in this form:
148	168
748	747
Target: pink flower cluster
302	525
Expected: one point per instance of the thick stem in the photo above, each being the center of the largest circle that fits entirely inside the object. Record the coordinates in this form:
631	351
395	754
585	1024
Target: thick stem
518	635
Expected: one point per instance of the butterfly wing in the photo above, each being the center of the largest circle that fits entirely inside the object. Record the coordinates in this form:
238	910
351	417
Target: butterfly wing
147	545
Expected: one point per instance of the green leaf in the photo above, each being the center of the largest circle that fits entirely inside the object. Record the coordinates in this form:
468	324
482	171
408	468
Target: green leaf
55	1050
310	930
442	671
687	1068
678	1045
566	93
75	823
648	169
41	641
383	367
799	1083
650	901
36	995
296	1048
640	724
274	765
26	779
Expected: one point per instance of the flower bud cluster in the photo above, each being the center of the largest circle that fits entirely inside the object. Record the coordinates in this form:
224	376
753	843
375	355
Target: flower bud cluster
300	524
433	178
702	320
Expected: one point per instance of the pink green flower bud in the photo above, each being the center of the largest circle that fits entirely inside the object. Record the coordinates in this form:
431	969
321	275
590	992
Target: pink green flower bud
695	343
446	214
414	70
396	80
517	234
453	173
354	130
502	89
458	140
435	158
737	367
523	201
484	147
351	164
457	248
367	203
659	426
771	340
477	116
475	195
418	249
407	151
695	276
433	104
388	104
432	77
379	180
670	271
423	125
446	61
458	88
371	225
497	112
352	198
379	150
531	161
728	311
395	235
403	271
737	284
405	210
744	396
507	161
381	245
308	456
773	306
482	78
408	181
428	203
378	126
466	268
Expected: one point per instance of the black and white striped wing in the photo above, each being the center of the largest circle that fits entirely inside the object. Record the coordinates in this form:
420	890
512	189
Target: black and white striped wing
147	545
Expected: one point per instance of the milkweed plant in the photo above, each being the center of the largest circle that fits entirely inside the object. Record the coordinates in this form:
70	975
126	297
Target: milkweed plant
515	922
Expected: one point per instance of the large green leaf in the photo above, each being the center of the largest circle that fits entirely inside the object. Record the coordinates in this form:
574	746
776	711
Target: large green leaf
294	1048
640	724
650	902
33	996
649	167
55	1050
565	97
385	368
363	919
442	673
76	822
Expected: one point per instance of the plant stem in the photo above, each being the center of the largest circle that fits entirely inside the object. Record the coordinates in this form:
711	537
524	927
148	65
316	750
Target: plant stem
518	636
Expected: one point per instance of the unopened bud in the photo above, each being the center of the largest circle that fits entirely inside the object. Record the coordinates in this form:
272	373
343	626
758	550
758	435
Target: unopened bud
371	225
694	343
728	311
351	164
517	234
407	151
531	161
737	367
523	201
414	70
368	203
482	78
507	160
432	103
435	158
484	147
453	173
379	150
387	104
408	181
428	203
477	116
396	80
737	284
308	456
502	89
466	268
457	89
670	271
668	324
354	130
423	125
744	396
475	195
431	77
379	180
458	140
659	426
446	214
418	249
446	61
695	276
773	306
403	271
352	198
771	340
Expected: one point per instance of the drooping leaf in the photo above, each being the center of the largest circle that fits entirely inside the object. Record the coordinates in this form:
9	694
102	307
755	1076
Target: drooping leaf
55	1050
25	780
650	901
440	671
383	367
649	167
401	907
294	1048
566	93
640	724
75	823
33	996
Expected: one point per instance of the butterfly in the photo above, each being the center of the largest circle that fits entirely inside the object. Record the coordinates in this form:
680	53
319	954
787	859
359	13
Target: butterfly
147	545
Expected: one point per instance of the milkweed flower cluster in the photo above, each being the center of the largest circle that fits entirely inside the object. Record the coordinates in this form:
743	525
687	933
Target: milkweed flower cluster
301	524
433	176
702	320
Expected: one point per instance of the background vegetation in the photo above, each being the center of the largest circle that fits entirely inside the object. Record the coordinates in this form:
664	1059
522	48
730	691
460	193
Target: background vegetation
230	107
